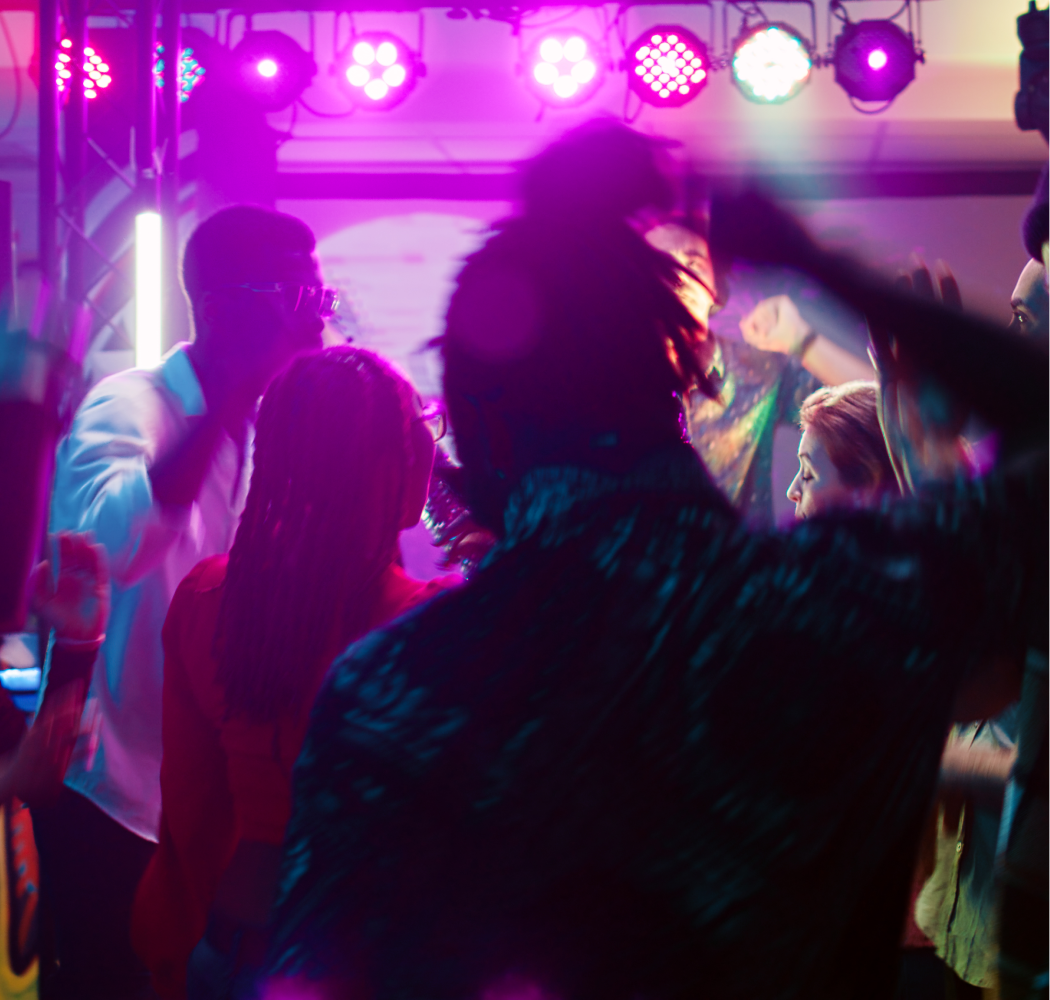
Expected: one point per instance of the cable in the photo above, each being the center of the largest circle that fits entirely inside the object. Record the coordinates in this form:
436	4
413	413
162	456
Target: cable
17	109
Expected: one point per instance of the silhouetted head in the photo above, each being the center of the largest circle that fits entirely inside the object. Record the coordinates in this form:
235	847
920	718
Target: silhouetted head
565	342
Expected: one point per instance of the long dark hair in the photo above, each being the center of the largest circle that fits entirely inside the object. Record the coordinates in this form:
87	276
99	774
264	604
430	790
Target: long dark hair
332	458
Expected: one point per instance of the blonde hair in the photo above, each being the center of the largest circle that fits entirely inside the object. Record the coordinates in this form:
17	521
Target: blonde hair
845	419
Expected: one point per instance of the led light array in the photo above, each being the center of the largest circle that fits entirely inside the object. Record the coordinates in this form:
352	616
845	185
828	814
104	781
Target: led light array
378	70
564	68
96	71
191	72
668	66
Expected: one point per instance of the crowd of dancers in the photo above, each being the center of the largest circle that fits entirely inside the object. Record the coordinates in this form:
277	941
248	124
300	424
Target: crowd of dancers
651	747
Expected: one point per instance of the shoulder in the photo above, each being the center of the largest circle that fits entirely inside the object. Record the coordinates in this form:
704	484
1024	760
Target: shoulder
121	403
200	587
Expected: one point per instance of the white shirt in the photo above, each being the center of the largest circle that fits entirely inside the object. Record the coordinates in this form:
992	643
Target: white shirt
102	485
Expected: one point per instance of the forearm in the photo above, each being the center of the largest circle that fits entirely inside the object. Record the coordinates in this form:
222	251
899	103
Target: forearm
834	365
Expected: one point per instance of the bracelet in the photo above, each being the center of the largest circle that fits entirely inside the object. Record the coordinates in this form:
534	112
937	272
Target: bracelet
805	344
80	645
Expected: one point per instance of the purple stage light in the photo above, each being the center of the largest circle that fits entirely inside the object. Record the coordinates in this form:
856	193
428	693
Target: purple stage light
564	68
667	66
273	68
377	70
874	60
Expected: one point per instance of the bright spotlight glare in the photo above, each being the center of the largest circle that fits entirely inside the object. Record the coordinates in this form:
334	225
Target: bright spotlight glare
358	76
386	54
877	59
583	71
565	87
364	54
376	89
771	65
575	49
394	76
147	289
545	73
563	68
267	68
551	50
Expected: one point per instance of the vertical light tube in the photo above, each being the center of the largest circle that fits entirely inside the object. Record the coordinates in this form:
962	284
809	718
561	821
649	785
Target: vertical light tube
149	285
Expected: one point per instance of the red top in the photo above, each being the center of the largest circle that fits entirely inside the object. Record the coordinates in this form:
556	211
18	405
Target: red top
222	780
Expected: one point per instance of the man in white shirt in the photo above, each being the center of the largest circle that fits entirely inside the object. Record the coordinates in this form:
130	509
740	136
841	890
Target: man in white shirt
156	466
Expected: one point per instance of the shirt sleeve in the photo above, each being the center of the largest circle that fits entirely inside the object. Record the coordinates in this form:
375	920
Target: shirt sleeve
102	482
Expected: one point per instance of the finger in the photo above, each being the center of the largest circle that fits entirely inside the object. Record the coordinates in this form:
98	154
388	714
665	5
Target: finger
922	283
948	286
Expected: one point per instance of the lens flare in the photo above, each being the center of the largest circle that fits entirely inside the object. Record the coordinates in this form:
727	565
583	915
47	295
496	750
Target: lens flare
771	64
874	60
877	59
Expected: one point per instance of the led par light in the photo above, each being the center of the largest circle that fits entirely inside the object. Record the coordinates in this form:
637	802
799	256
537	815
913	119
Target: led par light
564	68
97	73
874	60
771	63
191	72
273	68
667	66
377	70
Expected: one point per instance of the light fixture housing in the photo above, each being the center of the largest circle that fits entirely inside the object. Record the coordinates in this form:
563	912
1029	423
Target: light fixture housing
377	70
564	68
667	66
771	63
97	73
874	60
272	68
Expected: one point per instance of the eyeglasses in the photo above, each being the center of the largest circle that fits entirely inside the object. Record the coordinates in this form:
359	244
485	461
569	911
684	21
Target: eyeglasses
433	417
308	298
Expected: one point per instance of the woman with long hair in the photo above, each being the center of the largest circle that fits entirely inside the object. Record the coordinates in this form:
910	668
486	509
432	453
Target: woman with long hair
342	461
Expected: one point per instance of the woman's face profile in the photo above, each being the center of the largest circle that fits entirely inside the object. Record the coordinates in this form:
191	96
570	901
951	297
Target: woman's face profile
817	486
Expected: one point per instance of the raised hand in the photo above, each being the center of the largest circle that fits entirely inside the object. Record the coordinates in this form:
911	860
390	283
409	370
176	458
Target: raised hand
775	324
76	604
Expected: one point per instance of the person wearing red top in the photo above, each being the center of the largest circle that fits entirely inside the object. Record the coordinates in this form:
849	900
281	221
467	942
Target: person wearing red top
342	462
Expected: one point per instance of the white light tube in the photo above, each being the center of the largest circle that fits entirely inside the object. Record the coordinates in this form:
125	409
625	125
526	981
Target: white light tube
148	286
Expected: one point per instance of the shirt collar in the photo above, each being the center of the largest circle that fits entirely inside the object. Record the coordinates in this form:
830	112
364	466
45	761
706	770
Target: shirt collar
179	376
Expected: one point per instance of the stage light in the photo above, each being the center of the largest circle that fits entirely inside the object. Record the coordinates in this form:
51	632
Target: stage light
377	70
771	63
97	72
191	72
273	68
874	60
147	289
564	68
667	66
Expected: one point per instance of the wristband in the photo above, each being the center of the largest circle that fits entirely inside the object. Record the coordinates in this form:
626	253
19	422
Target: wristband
805	344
